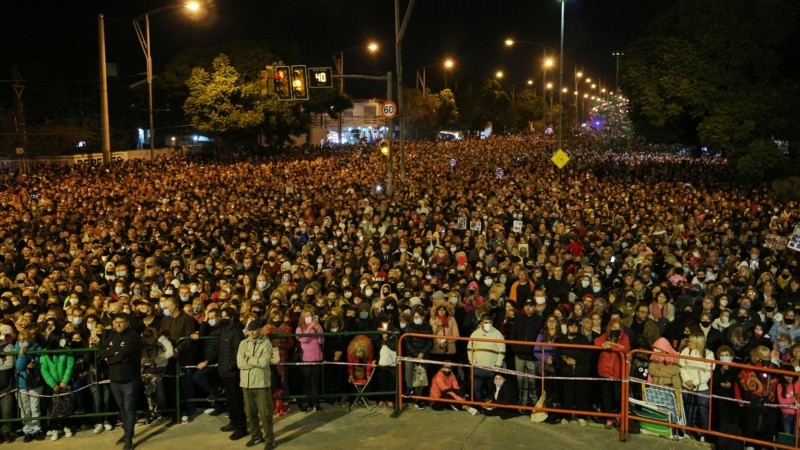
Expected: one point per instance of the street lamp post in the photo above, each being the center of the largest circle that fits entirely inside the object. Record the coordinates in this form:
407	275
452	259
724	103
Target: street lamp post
561	79
339	63
422	74
144	41
547	63
617	55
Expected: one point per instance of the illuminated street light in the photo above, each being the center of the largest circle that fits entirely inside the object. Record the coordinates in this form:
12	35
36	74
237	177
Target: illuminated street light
144	41
498	74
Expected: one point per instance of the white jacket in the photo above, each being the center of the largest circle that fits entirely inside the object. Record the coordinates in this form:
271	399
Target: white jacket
697	371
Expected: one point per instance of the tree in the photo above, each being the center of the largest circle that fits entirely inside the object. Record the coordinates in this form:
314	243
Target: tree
528	107
494	105
228	108
420	113
447	114
709	74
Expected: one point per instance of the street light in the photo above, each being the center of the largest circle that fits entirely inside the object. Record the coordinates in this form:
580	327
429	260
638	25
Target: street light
561	78
144	41
372	47
422	73
547	63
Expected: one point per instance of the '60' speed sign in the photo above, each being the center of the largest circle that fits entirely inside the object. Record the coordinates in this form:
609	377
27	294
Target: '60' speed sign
389	109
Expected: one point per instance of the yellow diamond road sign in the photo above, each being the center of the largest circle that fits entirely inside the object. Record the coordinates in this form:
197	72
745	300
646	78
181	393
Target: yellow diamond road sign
560	158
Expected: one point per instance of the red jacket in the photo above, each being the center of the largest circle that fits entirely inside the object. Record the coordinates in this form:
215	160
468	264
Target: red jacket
442	382
609	364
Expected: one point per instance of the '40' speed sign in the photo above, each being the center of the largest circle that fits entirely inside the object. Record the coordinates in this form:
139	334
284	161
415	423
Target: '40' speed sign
389	109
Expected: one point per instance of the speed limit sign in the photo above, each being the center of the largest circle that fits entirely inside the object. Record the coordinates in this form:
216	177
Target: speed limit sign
389	109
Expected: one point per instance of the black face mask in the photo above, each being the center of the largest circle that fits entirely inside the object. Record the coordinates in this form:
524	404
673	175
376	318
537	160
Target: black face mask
705	323
615	334
769	308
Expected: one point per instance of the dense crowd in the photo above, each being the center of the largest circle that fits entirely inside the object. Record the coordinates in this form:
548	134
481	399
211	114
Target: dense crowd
199	260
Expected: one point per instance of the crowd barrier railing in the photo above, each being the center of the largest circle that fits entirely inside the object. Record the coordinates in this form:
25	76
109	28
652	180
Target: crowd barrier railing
94	384
628	416
323	394
541	378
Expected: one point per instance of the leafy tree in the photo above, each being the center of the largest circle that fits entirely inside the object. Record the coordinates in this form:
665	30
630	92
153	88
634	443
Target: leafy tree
494	105
721	75
420	113
228	108
447	114
528	107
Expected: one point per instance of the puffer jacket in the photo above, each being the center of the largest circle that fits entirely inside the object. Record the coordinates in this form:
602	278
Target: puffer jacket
253	361
609	363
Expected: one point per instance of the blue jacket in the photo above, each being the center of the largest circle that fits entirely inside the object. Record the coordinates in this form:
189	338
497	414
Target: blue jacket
22	361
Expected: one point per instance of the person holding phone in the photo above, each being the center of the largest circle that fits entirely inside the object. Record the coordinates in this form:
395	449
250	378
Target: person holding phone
311	353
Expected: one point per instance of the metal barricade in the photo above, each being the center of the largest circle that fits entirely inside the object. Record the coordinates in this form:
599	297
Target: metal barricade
627	416
541	377
290	364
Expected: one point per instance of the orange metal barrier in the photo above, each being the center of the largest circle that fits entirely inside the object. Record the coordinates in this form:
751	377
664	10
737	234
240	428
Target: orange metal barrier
624	379
707	431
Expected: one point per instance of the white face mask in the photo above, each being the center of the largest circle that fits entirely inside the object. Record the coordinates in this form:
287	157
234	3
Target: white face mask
262	284
418	320
585	284
487	327
726	358
334	330
488	282
541	300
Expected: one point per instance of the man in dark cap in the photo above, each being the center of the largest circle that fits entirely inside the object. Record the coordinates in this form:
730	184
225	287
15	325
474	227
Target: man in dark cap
253	359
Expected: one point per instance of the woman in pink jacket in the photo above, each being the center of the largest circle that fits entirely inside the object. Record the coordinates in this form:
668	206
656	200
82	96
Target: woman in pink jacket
311	347
443	324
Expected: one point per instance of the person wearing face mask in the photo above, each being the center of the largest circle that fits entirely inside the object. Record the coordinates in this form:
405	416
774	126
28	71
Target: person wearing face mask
444	324
176	325
613	342
759	388
527	326
445	385
230	337
334	351
363	319
489	354
501	393
714	337
206	376
724	385
785	323
571	362
29	390
695	376
415	347
311	353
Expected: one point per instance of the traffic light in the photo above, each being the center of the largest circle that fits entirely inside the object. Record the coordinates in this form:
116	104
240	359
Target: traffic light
299	83
386	148
282	80
267	81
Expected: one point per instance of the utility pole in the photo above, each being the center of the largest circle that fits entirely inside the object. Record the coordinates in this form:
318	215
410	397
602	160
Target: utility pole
400	31
18	84
105	139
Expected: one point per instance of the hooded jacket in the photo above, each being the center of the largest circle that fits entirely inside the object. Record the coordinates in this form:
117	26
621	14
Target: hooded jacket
253	361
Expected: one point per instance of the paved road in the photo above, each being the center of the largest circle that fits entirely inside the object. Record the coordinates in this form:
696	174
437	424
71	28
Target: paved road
375	429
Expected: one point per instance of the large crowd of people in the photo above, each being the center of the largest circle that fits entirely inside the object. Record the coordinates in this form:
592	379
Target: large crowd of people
206	265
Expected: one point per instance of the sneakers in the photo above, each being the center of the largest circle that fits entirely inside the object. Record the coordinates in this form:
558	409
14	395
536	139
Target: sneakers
53	435
454	407
472	411
381	404
581	422
419	406
28	438
208	411
184	420
39	435
564	421
390	404
108	426
67	432
98	428
609	424
255	440
228	427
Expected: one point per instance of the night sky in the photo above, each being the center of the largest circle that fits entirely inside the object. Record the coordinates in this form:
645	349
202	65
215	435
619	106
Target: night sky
56	40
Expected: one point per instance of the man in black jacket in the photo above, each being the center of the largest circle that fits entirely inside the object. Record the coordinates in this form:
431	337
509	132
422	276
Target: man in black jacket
122	351
229	338
526	328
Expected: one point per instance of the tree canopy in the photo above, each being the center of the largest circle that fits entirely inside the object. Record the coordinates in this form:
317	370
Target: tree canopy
722	75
